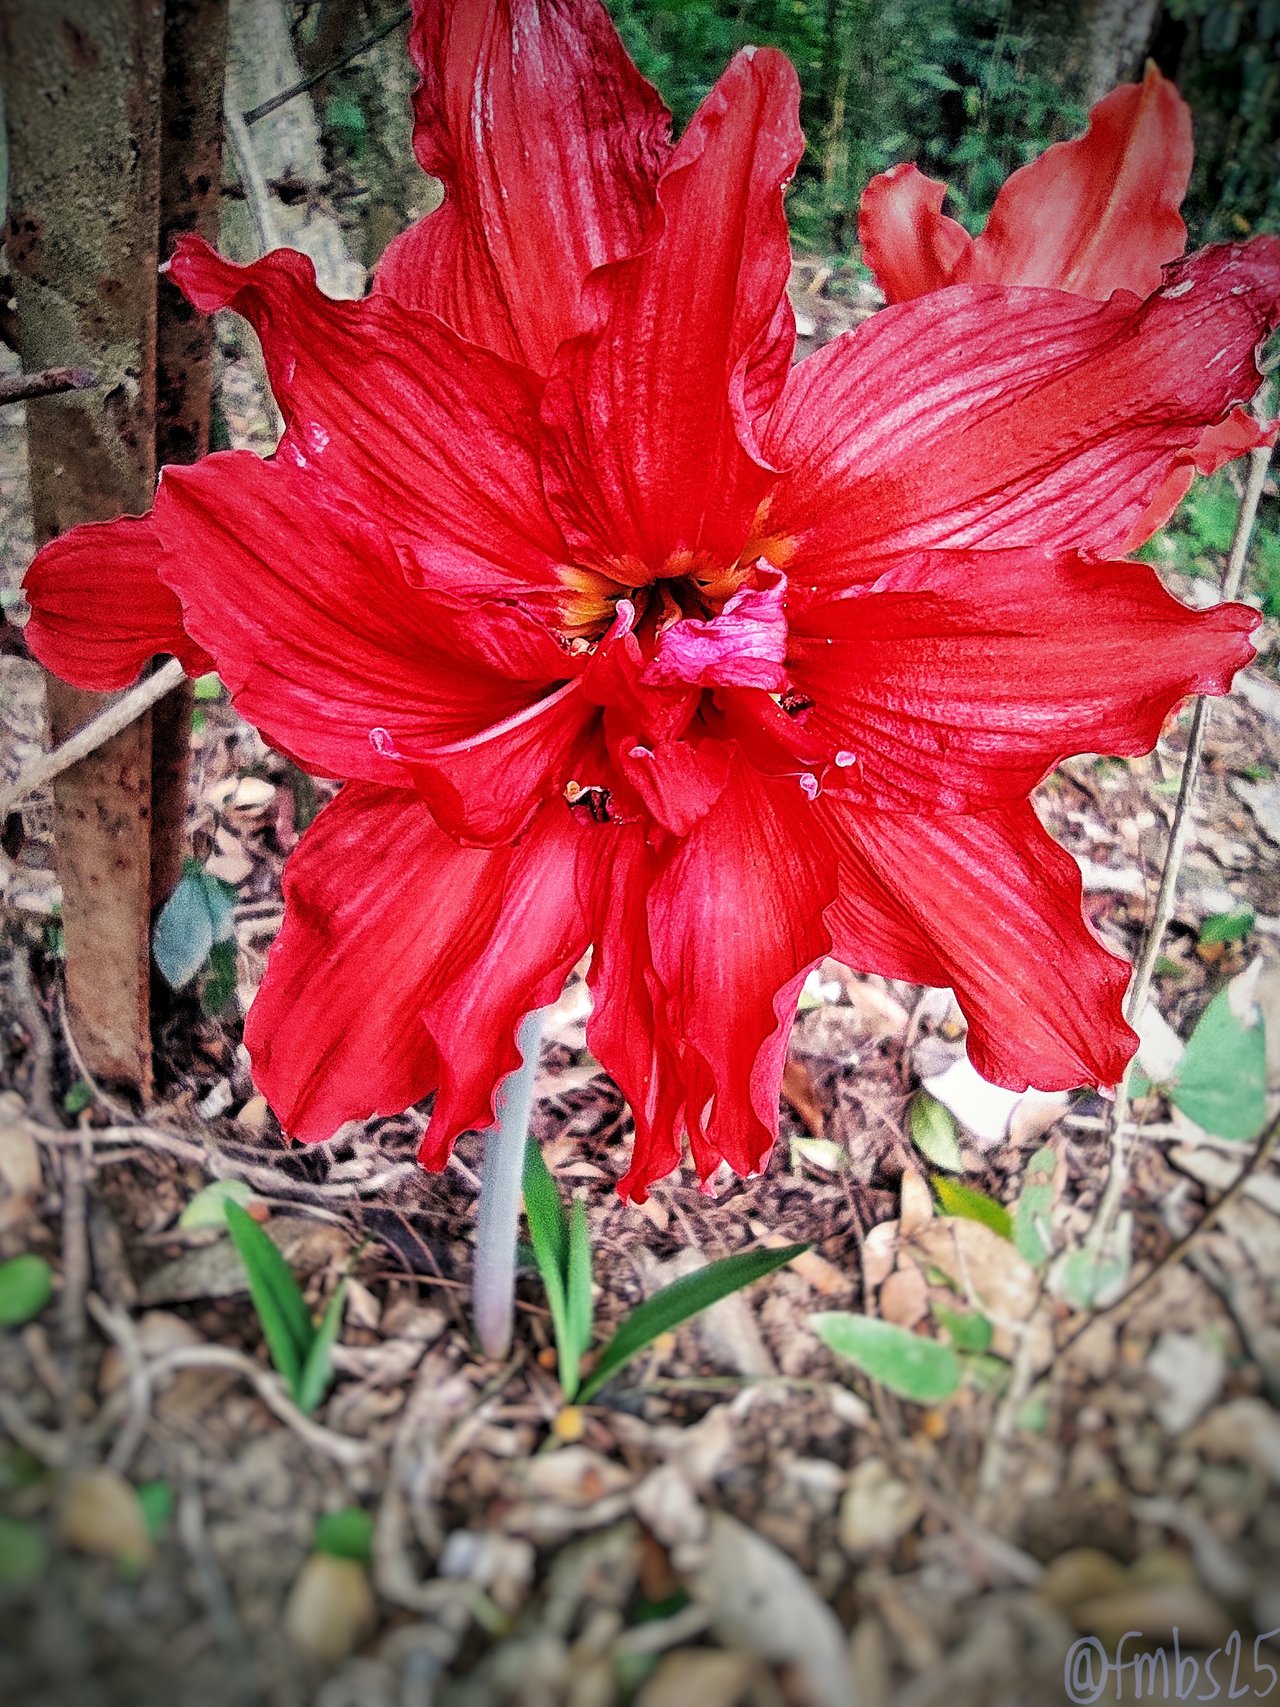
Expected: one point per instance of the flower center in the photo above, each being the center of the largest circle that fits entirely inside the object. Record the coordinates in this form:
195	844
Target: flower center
682	589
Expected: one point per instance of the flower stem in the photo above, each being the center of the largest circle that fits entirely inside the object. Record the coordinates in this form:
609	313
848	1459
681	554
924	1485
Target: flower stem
494	1276
1179	835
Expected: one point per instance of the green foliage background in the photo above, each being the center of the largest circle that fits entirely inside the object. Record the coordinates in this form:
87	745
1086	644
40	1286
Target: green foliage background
972	89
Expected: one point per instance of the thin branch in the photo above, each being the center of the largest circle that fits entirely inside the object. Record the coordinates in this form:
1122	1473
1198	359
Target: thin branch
109	722
1258	1158
309	82
252	181
1179	834
343	1448
50	382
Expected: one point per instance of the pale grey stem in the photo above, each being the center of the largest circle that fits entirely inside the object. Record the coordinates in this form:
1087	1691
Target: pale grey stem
1179	834
494	1277
116	716
254	185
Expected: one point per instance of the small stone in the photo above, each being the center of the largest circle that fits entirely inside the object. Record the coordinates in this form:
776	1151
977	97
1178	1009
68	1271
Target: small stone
101	1514
330	1610
569	1425
253	1116
877	1510
1081	1574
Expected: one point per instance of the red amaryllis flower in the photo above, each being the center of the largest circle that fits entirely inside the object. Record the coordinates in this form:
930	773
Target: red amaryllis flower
622	634
1091	216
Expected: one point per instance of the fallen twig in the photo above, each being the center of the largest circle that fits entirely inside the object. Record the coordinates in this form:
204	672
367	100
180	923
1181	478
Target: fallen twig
109	722
75	1248
118	1326
50	382
49	1449
314	77
270	1389
1258	1158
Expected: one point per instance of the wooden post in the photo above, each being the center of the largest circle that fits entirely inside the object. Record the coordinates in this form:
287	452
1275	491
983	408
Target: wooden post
85	80
195	54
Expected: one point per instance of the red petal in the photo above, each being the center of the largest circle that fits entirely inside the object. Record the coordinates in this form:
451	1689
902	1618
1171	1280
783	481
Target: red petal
395	414
538	932
742	646
994	902
325	646
735	920
963	678
1090	216
907	241
549	144
981	416
1240	433
627	1031
98	608
382	910
1100	213
648	416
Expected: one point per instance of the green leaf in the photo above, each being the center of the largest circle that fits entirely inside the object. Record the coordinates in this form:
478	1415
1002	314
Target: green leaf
676	1303
277	1297
578	1296
156	1500
208	1208
968	1332
196	916
1034	1207
549	1231
548	1223
346	1534
26	1286
971	1205
24	1553
317	1367
207	687
220	980
78	1097
1222	1082
933	1132
1228	927
922	1370
823	1153
1096	1274
986	1372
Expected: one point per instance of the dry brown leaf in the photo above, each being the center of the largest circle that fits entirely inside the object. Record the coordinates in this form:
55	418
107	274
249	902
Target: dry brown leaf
879	1254
878	1508
760	1602
1034	1114
916	1201
708	1676
904	1296
824	1277
1003	1284
797	1087
574	1476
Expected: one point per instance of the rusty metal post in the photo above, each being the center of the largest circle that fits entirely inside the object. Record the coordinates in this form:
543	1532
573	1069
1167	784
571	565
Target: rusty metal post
91	120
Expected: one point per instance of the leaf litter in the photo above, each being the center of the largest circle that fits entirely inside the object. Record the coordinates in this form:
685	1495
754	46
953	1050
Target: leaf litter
746	1515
